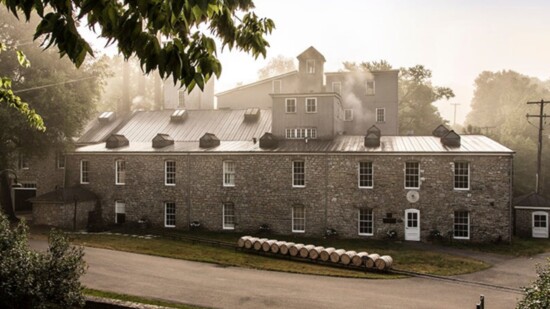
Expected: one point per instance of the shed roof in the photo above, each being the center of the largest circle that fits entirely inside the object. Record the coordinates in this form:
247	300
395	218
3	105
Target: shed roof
471	144
532	199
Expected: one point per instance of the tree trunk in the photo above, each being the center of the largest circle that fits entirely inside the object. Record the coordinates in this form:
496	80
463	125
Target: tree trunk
304	252
357	260
384	262
285	248
335	256
5	196
371	259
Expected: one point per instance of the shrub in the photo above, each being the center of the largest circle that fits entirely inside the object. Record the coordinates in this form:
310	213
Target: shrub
32	279
537	296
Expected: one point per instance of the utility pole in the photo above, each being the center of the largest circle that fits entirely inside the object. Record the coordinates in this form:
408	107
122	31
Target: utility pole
454	115
541	117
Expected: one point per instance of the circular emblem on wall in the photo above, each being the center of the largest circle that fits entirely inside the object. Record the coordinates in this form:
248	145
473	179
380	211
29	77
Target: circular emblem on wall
413	196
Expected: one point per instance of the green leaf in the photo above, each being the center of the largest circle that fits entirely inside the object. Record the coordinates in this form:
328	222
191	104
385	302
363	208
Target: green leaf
23	61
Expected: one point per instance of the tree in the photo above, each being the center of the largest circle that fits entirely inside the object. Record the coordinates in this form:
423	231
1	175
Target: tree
417	114
537	296
62	94
188	28
276	66
499	104
31	279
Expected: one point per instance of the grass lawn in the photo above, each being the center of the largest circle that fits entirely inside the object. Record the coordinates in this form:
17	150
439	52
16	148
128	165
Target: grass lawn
518	247
137	299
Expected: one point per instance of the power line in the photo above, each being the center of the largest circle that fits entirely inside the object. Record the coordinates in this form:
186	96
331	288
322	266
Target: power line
53	85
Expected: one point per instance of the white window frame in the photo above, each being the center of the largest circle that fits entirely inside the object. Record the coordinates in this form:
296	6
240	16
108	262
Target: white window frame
458	175
337	87
364	172
348	114
277	86
120	172
380	115
22	162
296	173
84	171
60	161
407	174
310	66
367	219
298	223
370	86
288	105
120	208
462	224
229	173
313	108
228	211
169	173
169	214
301	133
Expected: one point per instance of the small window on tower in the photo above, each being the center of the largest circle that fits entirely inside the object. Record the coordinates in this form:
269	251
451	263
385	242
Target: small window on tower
310	66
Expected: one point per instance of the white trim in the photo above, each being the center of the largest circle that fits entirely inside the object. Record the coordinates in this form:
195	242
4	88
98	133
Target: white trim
280	82
295	105
412	236
359	175
310	63
383	114
359	222
454	175
123	171
120	208
454	217
229	226
166	214
339	86
166	173
82	172
292	227
539	232
316	105
405	176
304	173
227	172
531	208
373	92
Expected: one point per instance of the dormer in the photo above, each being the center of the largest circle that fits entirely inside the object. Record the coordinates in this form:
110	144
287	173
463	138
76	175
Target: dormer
209	140
116	141
440	131
162	140
451	139
311	71
268	141
106	117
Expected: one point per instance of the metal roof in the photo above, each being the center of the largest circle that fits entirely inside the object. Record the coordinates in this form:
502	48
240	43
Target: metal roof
97	131
143	126
470	144
533	200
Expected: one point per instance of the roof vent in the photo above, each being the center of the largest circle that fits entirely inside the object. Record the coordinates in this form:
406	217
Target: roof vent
252	114
440	131
162	140
178	115
372	139
451	139
116	141
106	117
209	140
268	141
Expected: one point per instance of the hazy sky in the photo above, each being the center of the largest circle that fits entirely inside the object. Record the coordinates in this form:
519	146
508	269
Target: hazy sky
457	40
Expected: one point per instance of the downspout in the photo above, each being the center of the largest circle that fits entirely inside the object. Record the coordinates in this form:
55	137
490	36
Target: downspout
189	190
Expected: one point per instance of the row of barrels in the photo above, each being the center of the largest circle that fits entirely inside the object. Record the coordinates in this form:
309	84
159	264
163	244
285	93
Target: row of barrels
373	261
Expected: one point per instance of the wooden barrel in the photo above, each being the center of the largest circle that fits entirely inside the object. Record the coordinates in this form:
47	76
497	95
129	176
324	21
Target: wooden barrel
258	243
304	251
324	255
295	249
285	247
266	246
249	242
314	253
371	259
384	262
276	246
335	256
241	241
347	256
357	260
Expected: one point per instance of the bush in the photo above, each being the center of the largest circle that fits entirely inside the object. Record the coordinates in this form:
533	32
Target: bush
537	296
31	279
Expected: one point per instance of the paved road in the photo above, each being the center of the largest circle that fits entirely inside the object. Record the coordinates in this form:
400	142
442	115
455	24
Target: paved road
213	286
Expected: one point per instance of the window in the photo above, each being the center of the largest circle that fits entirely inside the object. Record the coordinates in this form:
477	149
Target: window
370	87
365	175
310	66
380	115
22	162
228	216
348	114
461	228
169	214
290	105
365	220
337	87
60	160
277	85
412	175
228	173
461	176
170	173
301	133
539	219
120	166
120	212
311	105
298	219
84	171
298	174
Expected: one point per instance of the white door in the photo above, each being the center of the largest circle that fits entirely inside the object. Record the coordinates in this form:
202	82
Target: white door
412	224
540	224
